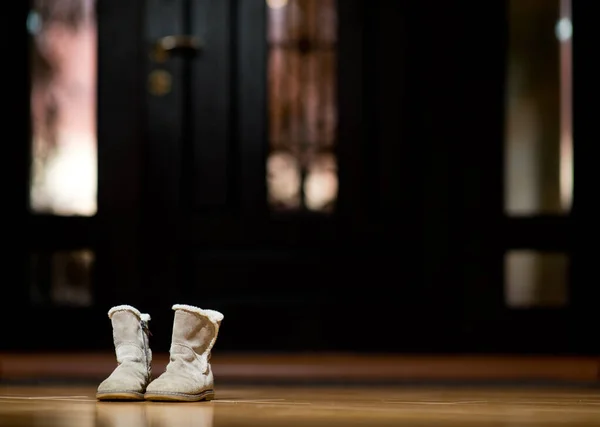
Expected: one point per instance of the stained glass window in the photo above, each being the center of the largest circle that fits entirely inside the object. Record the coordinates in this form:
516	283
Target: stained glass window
62	278
539	144
63	107
302	165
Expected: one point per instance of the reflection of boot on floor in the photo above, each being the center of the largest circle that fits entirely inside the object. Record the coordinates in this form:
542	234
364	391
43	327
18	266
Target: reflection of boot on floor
188	377
170	415
130	334
121	414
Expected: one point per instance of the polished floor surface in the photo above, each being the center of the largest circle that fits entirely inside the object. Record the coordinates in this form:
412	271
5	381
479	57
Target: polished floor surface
310	406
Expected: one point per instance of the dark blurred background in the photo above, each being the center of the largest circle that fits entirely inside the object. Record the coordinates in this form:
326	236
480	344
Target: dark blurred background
351	176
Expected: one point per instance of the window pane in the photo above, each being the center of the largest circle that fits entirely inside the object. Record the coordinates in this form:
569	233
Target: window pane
63	107
539	147
62	278
302	166
534	279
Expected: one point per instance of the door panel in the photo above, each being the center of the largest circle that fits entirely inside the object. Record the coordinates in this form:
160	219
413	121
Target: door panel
208	165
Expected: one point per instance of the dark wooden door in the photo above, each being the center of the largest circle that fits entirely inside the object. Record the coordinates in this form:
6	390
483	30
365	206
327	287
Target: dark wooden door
211	238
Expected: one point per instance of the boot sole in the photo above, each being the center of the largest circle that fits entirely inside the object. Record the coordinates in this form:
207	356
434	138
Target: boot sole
120	395
180	397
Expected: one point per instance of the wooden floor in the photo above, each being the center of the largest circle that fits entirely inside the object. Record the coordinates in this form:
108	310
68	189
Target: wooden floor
319	367
310	406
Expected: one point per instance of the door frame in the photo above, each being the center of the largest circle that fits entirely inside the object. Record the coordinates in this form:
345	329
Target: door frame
112	232
117	232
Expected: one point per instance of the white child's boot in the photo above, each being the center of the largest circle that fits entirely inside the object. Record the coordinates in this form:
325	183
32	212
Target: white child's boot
130	334
188	376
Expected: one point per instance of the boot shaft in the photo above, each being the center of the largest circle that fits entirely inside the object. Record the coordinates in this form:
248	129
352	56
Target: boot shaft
130	334
196	328
195	332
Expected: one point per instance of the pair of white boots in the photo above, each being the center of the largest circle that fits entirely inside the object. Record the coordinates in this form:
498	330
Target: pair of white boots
188	376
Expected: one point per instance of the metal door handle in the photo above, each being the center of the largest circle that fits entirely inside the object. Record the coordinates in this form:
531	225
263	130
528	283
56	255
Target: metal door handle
169	45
